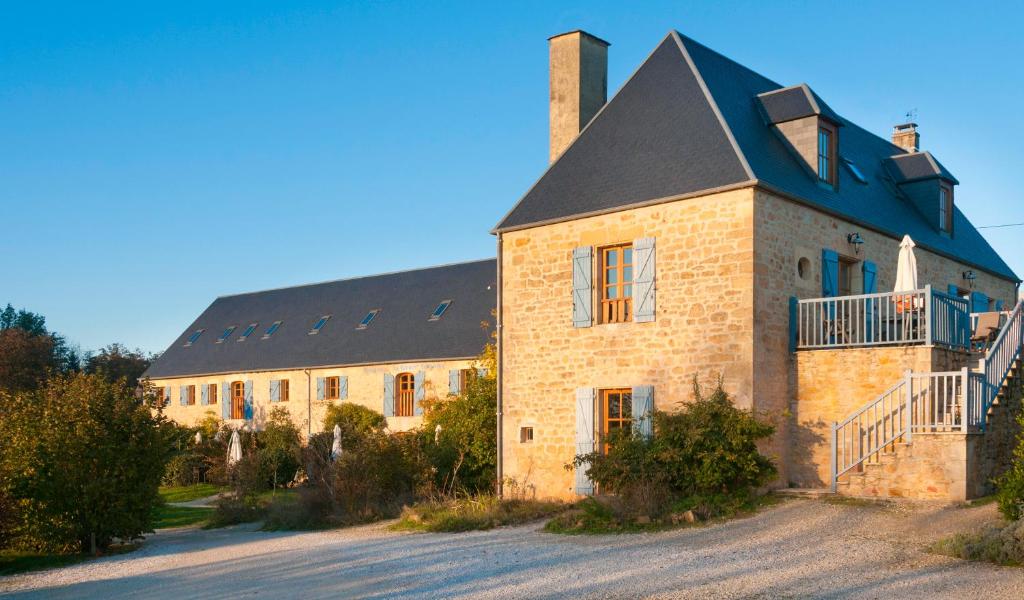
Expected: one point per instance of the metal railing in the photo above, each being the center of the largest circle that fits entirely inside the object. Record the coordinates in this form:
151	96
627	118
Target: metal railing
924	316
1000	358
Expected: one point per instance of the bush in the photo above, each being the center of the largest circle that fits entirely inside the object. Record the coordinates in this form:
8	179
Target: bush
355	421
279	448
706	454
1002	545
1010	494
81	460
474	513
185	468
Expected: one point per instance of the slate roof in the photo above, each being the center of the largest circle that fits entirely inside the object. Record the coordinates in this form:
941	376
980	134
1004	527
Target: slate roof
796	102
917	165
689	120
401	332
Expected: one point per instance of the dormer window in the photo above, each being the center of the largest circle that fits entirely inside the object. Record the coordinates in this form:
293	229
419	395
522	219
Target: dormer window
826	154
945	209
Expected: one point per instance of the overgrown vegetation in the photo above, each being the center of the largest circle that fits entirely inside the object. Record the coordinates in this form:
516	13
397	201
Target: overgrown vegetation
1010	494
474	513
1001	544
701	463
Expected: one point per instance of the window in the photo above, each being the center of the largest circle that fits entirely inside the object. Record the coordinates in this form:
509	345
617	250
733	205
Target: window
847	268
283	390
855	171
525	435
405	394
227	333
237	400
465	376
945	209
195	336
332	388
190	395
270	330
616	283
161	396
616	412
826	155
248	331
211	393
443	306
368	318
319	325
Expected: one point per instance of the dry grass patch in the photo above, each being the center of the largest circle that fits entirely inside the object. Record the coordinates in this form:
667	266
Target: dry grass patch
474	513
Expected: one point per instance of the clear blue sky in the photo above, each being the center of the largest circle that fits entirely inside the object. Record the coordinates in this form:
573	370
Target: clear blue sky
154	158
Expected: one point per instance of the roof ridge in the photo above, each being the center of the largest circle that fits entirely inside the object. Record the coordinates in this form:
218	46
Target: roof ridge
356	278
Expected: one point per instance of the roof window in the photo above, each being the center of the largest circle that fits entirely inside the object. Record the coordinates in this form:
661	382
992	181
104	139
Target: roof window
227	333
370	316
854	170
270	330
195	336
248	331
319	324
443	306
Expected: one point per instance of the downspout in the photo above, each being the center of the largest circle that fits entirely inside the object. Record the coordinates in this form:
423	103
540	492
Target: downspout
309	405
500	380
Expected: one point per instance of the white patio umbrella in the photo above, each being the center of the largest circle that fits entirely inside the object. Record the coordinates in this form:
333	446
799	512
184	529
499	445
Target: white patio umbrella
437	434
906	268
234	449
199	438
336	446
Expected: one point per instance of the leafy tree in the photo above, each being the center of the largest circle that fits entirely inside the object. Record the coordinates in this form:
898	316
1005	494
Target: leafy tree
116	361
279	447
29	353
356	421
82	460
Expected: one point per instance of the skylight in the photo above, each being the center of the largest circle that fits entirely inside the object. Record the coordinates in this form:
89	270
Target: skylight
319	325
368	318
227	333
270	330
855	171
443	306
195	336
248	331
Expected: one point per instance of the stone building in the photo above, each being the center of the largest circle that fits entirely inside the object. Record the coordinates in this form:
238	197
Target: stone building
709	222
387	342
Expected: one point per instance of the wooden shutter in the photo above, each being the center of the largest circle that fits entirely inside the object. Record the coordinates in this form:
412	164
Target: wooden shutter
248	400
829	273
979	302
275	390
582	286
225	400
417	408
643	280
584	438
389	395
643	410
343	387
204	395
870	272
320	388
453	382
183	395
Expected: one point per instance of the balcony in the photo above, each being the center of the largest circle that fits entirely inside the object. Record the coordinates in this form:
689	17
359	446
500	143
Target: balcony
922	317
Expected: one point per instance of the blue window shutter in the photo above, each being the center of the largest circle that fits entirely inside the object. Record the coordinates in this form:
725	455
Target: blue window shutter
643	280
248	400
275	390
582	286
870	271
389	395
999	305
979	302
643	410
829	273
584	438
417	408
453	382
320	393
205	394
953	290
183	395
343	387
167	395
225	400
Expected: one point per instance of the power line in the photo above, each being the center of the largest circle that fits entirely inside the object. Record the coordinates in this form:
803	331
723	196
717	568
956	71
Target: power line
999	226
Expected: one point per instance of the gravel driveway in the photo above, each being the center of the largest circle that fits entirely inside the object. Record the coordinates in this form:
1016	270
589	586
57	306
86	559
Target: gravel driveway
801	548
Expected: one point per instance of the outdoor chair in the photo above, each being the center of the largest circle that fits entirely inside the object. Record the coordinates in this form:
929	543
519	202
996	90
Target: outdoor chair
985	330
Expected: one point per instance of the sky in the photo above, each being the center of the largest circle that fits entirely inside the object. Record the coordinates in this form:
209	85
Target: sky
155	157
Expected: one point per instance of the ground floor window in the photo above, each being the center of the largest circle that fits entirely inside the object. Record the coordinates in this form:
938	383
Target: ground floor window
211	392
190	394
284	390
465	376
405	394
237	400
616	412
332	388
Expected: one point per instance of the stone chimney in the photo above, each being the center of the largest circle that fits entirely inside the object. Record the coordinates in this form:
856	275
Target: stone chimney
579	85
905	136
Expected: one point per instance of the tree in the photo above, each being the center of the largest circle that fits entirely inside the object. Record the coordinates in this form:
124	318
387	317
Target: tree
116	361
29	353
82	460
279	447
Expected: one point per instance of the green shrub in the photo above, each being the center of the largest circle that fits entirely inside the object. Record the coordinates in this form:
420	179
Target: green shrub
1010	494
185	468
354	420
81	460
279	447
232	510
1003	545
474	513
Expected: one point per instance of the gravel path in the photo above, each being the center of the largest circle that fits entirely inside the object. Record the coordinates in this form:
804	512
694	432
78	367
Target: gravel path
801	548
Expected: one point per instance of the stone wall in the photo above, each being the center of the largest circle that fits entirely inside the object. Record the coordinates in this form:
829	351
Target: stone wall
365	387
703	327
991	455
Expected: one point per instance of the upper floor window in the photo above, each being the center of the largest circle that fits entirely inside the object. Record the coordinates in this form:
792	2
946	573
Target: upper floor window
283	390
616	283
332	388
826	155
405	394
237	400
270	330
319	325
211	393
945	209
190	395
195	336
248	331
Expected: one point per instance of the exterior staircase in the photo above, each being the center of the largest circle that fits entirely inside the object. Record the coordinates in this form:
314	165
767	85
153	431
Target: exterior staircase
890	445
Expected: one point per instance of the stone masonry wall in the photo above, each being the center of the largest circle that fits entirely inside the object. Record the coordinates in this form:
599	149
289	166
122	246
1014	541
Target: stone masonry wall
703	326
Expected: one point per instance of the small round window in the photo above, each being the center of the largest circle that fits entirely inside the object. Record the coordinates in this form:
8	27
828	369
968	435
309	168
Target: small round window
803	268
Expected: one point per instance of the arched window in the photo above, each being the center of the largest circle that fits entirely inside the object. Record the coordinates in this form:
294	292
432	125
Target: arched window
405	394
237	400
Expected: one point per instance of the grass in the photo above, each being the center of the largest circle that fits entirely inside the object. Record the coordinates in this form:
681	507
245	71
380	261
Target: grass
475	513
15	561
187	493
600	516
178	516
1002	544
